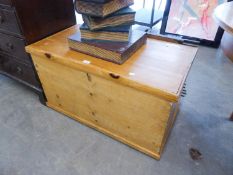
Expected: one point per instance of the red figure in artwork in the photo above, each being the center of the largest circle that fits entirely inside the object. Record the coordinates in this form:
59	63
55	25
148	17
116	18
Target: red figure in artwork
193	18
204	17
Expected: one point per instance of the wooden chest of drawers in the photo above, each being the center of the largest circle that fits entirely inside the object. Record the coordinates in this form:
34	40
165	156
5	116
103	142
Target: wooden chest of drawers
25	22
19	70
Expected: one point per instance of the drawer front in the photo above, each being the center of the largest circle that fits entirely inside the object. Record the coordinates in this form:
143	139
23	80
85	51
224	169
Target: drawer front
18	70
9	22
5	2
13	46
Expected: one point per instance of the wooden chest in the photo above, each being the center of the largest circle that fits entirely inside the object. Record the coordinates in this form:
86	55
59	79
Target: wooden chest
24	22
135	103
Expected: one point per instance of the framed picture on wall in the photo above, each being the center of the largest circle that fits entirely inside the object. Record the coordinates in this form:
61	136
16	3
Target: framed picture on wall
192	20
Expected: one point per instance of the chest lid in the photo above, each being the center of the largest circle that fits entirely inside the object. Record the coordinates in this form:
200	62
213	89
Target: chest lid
159	67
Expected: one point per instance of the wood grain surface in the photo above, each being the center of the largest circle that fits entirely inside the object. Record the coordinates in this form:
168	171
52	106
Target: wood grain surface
135	103
159	67
134	117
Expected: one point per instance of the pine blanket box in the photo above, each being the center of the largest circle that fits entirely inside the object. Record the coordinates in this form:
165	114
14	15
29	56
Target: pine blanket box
135	103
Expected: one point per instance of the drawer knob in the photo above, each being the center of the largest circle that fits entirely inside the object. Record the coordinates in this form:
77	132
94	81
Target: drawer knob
19	70
10	46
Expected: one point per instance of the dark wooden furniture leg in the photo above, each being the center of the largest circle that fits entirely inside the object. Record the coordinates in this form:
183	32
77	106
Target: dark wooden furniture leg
231	117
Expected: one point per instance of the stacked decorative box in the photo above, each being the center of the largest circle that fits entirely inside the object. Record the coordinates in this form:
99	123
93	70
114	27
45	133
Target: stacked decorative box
106	32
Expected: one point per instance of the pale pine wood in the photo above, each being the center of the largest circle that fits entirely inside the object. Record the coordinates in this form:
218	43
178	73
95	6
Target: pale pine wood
158	67
134	117
135	103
